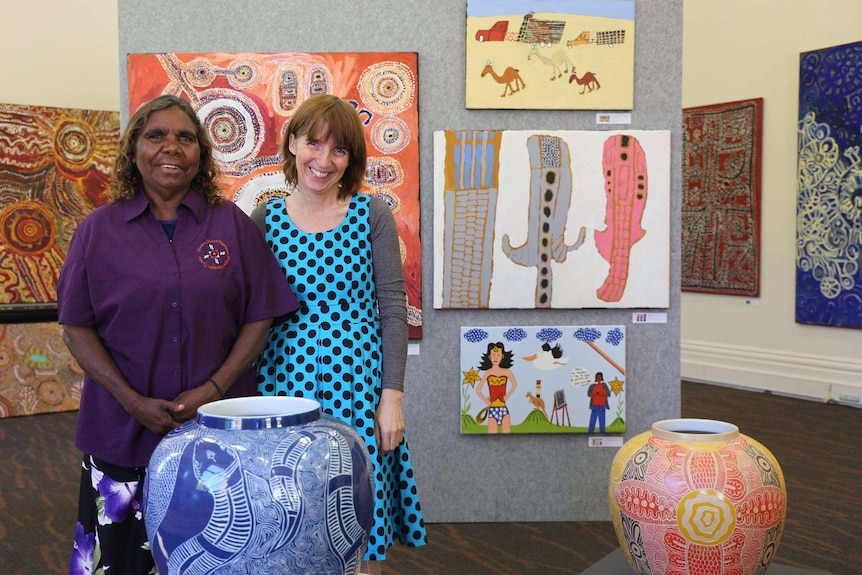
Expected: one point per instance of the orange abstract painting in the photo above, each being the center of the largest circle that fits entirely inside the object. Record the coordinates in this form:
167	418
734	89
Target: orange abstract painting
245	101
54	169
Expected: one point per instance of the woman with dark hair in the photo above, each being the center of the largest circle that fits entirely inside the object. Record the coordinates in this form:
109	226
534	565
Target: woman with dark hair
166	298
496	362
346	347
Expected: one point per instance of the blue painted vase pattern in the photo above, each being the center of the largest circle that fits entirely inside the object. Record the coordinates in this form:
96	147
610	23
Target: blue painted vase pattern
259	485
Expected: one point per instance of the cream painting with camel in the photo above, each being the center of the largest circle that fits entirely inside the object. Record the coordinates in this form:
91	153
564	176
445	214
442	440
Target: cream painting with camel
550	54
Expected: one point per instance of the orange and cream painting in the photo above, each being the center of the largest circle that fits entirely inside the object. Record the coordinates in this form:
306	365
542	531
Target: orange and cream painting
543	379
551	219
55	164
245	101
550	54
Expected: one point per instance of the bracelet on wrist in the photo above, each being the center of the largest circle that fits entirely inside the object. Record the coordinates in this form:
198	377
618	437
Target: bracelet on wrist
218	389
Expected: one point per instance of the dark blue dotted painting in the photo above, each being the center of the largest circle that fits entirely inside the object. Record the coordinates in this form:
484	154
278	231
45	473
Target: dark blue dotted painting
829	206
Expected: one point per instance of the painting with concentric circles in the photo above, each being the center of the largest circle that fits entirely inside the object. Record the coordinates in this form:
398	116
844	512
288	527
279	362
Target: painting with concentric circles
54	168
245	101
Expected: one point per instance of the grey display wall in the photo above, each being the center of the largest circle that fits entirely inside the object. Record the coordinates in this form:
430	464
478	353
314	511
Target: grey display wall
467	478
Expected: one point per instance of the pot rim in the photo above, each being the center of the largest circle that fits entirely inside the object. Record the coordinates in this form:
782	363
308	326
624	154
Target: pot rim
258	412
694	429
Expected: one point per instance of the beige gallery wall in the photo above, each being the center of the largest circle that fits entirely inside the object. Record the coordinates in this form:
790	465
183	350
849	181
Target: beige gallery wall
60	53
65	54
735	50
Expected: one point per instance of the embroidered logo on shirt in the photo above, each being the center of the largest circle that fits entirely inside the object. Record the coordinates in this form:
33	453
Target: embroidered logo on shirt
213	254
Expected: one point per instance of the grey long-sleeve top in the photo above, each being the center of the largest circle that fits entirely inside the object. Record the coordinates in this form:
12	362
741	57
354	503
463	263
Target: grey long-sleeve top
389	284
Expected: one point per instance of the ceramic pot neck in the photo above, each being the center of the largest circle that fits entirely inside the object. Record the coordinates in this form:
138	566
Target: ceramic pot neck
242	413
688	429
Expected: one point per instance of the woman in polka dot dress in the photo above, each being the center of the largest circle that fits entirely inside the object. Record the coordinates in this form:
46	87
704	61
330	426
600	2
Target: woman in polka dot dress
346	347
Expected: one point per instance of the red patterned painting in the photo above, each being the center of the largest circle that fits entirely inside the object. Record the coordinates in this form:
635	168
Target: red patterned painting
54	167
245	100
721	198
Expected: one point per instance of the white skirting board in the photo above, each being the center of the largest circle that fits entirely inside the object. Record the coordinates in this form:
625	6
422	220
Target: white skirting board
816	377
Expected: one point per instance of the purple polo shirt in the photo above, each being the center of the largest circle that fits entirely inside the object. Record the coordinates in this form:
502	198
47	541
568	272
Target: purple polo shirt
168	313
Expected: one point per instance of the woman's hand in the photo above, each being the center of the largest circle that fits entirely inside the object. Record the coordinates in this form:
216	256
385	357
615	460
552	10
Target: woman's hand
157	415
192	399
389	423
87	348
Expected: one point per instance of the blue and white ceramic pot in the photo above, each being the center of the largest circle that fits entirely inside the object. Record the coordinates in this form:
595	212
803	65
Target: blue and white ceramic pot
259	485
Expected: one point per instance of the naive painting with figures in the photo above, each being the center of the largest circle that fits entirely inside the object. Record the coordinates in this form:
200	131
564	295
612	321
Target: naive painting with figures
721	151
245	100
550	54
829	205
547	219
562	379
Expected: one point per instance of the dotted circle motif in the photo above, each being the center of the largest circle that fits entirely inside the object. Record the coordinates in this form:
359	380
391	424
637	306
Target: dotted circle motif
390	135
393	201
234	124
27	228
199	73
260	189
6	357
74	144
244	74
51	392
387	88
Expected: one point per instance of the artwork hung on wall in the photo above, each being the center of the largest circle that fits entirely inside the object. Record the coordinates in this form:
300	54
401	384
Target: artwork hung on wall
721	152
564	379
550	54
545	219
829	205
37	372
245	100
54	169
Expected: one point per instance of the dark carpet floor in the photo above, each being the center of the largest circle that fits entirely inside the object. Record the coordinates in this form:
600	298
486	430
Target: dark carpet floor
816	444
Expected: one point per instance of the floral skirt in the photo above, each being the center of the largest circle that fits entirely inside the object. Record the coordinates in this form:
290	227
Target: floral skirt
111	536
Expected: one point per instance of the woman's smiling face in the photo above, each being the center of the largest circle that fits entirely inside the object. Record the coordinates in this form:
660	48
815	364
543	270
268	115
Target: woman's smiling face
167	153
320	163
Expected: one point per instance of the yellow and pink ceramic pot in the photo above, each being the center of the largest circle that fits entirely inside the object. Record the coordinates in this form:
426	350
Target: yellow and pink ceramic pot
695	496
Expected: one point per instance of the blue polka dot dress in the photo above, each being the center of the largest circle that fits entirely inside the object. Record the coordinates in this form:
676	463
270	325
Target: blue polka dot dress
329	350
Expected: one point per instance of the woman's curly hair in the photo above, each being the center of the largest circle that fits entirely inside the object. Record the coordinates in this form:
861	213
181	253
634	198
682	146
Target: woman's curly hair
126	179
